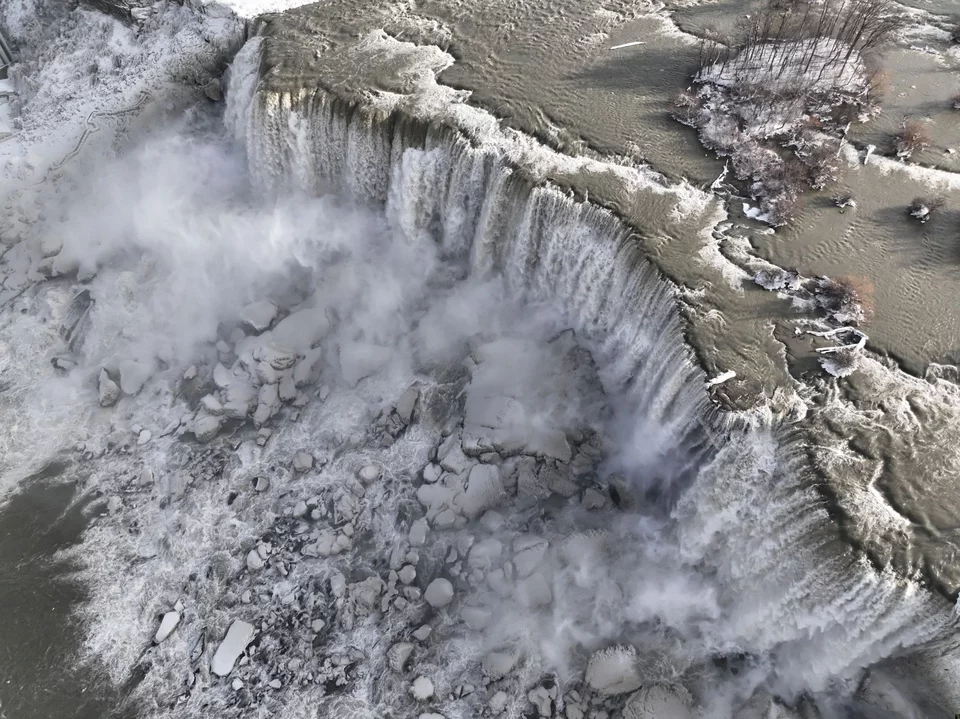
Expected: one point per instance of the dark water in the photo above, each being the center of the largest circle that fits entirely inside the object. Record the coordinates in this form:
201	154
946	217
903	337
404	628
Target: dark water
39	676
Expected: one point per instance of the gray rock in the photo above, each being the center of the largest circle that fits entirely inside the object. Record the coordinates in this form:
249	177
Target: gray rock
238	637
439	593
423	633
407	403
108	389
431	473
407	574
302	462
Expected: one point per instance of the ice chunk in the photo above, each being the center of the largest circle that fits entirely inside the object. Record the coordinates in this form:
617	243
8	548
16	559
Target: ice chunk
167	625
238	637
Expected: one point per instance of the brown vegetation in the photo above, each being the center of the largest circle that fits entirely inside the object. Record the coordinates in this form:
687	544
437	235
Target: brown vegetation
849	295
913	137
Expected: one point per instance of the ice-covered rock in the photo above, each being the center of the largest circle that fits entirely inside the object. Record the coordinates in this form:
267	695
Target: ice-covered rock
421	689
656	702
484	491
431	473
439	593
167	625
370	473
498	664
529	552
238	637
221	376
498	702
108	389
418	532
206	427
407	403
307	370
133	375
268	404
534	591
258	316
361	359
254	560
301	330
302	462
398	655
614	670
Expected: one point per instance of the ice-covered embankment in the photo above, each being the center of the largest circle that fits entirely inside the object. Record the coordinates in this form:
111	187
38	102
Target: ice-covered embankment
786	588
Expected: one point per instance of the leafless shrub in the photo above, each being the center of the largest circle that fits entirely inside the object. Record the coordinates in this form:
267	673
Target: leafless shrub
686	105
848	298
923	208
841	363
821	156
913	137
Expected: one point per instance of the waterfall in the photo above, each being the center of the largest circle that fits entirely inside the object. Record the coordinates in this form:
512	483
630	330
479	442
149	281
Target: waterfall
748	515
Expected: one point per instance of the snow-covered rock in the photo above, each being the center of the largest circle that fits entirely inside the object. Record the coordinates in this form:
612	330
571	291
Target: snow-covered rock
614	670
421	689
109	391
258	316
439	593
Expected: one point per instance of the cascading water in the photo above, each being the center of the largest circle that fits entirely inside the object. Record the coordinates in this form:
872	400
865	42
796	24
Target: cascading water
788	591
